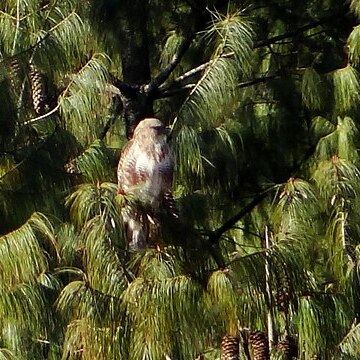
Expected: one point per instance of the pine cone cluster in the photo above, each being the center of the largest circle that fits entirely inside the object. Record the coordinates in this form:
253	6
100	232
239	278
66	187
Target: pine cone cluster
38	90
230	348
289	347
260	345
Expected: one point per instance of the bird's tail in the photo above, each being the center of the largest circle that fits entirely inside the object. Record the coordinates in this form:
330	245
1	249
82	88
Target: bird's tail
136	228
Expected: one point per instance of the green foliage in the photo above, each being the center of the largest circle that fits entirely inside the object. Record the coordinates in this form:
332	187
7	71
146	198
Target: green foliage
355	7
313	90
346	89
263	108
215	90
90	200
23	291
81	99
94	164
353	44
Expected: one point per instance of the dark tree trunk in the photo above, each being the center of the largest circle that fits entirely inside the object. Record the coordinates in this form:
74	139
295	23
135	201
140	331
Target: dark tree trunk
135	62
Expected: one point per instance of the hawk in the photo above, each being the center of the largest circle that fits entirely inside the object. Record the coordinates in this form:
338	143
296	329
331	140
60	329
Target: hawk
145	175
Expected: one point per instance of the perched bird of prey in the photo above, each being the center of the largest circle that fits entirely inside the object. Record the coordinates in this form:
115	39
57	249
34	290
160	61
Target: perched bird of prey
145	174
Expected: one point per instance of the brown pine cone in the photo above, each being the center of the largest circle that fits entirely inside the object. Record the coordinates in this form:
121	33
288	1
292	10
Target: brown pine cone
230	348
38	90
15	75
283	293
289	347
260	345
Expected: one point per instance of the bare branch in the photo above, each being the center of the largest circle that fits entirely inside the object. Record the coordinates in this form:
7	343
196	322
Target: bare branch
179	80
165	73
172	91
258	80
216	234
117	109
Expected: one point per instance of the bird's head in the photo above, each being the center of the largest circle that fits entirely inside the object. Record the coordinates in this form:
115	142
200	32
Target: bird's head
150	127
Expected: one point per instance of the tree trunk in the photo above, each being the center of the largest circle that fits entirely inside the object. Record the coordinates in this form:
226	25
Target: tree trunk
135	62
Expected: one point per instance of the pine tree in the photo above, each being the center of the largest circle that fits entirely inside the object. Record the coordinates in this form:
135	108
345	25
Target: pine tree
261	98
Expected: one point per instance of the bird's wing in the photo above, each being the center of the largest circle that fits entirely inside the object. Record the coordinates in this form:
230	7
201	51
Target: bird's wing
130	174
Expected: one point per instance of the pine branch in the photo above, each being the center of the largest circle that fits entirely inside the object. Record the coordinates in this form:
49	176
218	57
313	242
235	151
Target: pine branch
117	109
177	83
299	30
166	72
179	80
63	93
38	147
216	234
40	41
29	49
186	87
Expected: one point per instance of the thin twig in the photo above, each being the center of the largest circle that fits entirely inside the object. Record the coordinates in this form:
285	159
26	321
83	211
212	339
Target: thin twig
174	91
268	292
54	110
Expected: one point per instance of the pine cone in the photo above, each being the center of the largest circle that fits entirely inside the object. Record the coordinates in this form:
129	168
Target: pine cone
15	75
282	298
289	347
230	348
71	167
38	90
283	295
260	345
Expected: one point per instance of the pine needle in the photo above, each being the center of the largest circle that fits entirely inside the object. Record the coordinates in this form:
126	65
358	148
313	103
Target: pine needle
346	89
354	44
